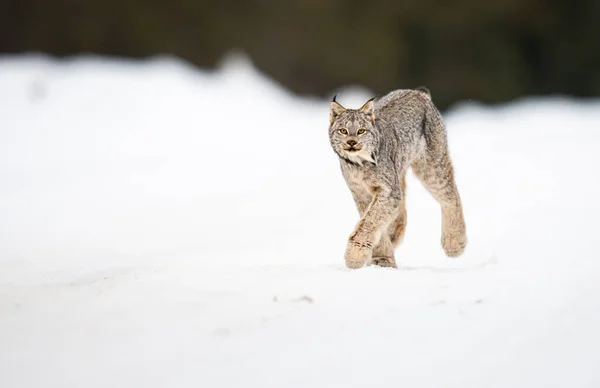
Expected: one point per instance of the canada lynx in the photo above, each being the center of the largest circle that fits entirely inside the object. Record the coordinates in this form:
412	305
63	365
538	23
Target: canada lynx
376	145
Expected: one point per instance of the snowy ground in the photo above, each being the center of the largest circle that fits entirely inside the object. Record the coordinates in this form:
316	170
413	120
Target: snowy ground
165	227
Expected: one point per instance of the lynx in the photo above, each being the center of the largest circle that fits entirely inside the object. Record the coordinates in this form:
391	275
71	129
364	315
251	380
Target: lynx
376	145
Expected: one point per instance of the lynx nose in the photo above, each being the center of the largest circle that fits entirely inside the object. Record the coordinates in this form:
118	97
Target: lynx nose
351	143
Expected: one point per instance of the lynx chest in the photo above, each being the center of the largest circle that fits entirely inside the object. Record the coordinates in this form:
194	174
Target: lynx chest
360	180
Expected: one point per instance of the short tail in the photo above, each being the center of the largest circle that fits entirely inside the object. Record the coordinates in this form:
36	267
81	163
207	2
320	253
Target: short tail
424	90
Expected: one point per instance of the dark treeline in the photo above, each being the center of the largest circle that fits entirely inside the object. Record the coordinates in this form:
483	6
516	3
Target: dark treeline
492	50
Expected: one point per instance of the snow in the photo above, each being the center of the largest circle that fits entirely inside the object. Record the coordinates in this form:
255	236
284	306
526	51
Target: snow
162	226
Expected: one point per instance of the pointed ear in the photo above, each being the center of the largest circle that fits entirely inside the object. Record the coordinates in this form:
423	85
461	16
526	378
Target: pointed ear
335	109
369	109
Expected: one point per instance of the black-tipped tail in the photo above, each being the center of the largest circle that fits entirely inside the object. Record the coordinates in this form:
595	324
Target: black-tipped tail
423	89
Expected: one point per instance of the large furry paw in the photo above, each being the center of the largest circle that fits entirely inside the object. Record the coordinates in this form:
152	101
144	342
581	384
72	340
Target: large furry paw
357	255
384	262
454	244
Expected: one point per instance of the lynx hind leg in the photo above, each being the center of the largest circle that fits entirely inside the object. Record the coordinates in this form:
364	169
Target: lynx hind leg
437	175
398	226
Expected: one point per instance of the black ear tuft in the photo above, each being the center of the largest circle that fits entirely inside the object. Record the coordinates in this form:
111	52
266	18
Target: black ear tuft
335	109
334	97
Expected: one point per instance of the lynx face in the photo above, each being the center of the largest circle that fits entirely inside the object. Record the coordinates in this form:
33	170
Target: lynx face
352	132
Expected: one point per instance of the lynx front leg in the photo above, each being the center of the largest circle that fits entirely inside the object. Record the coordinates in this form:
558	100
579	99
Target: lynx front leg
383	254
398	226
370	228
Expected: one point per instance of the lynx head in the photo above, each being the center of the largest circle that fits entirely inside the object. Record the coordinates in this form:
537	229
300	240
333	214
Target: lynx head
352	132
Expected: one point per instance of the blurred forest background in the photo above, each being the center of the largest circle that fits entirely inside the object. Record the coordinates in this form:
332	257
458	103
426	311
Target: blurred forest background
493	50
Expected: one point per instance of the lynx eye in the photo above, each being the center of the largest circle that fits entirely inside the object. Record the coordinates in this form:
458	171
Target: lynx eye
361	131
343	131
